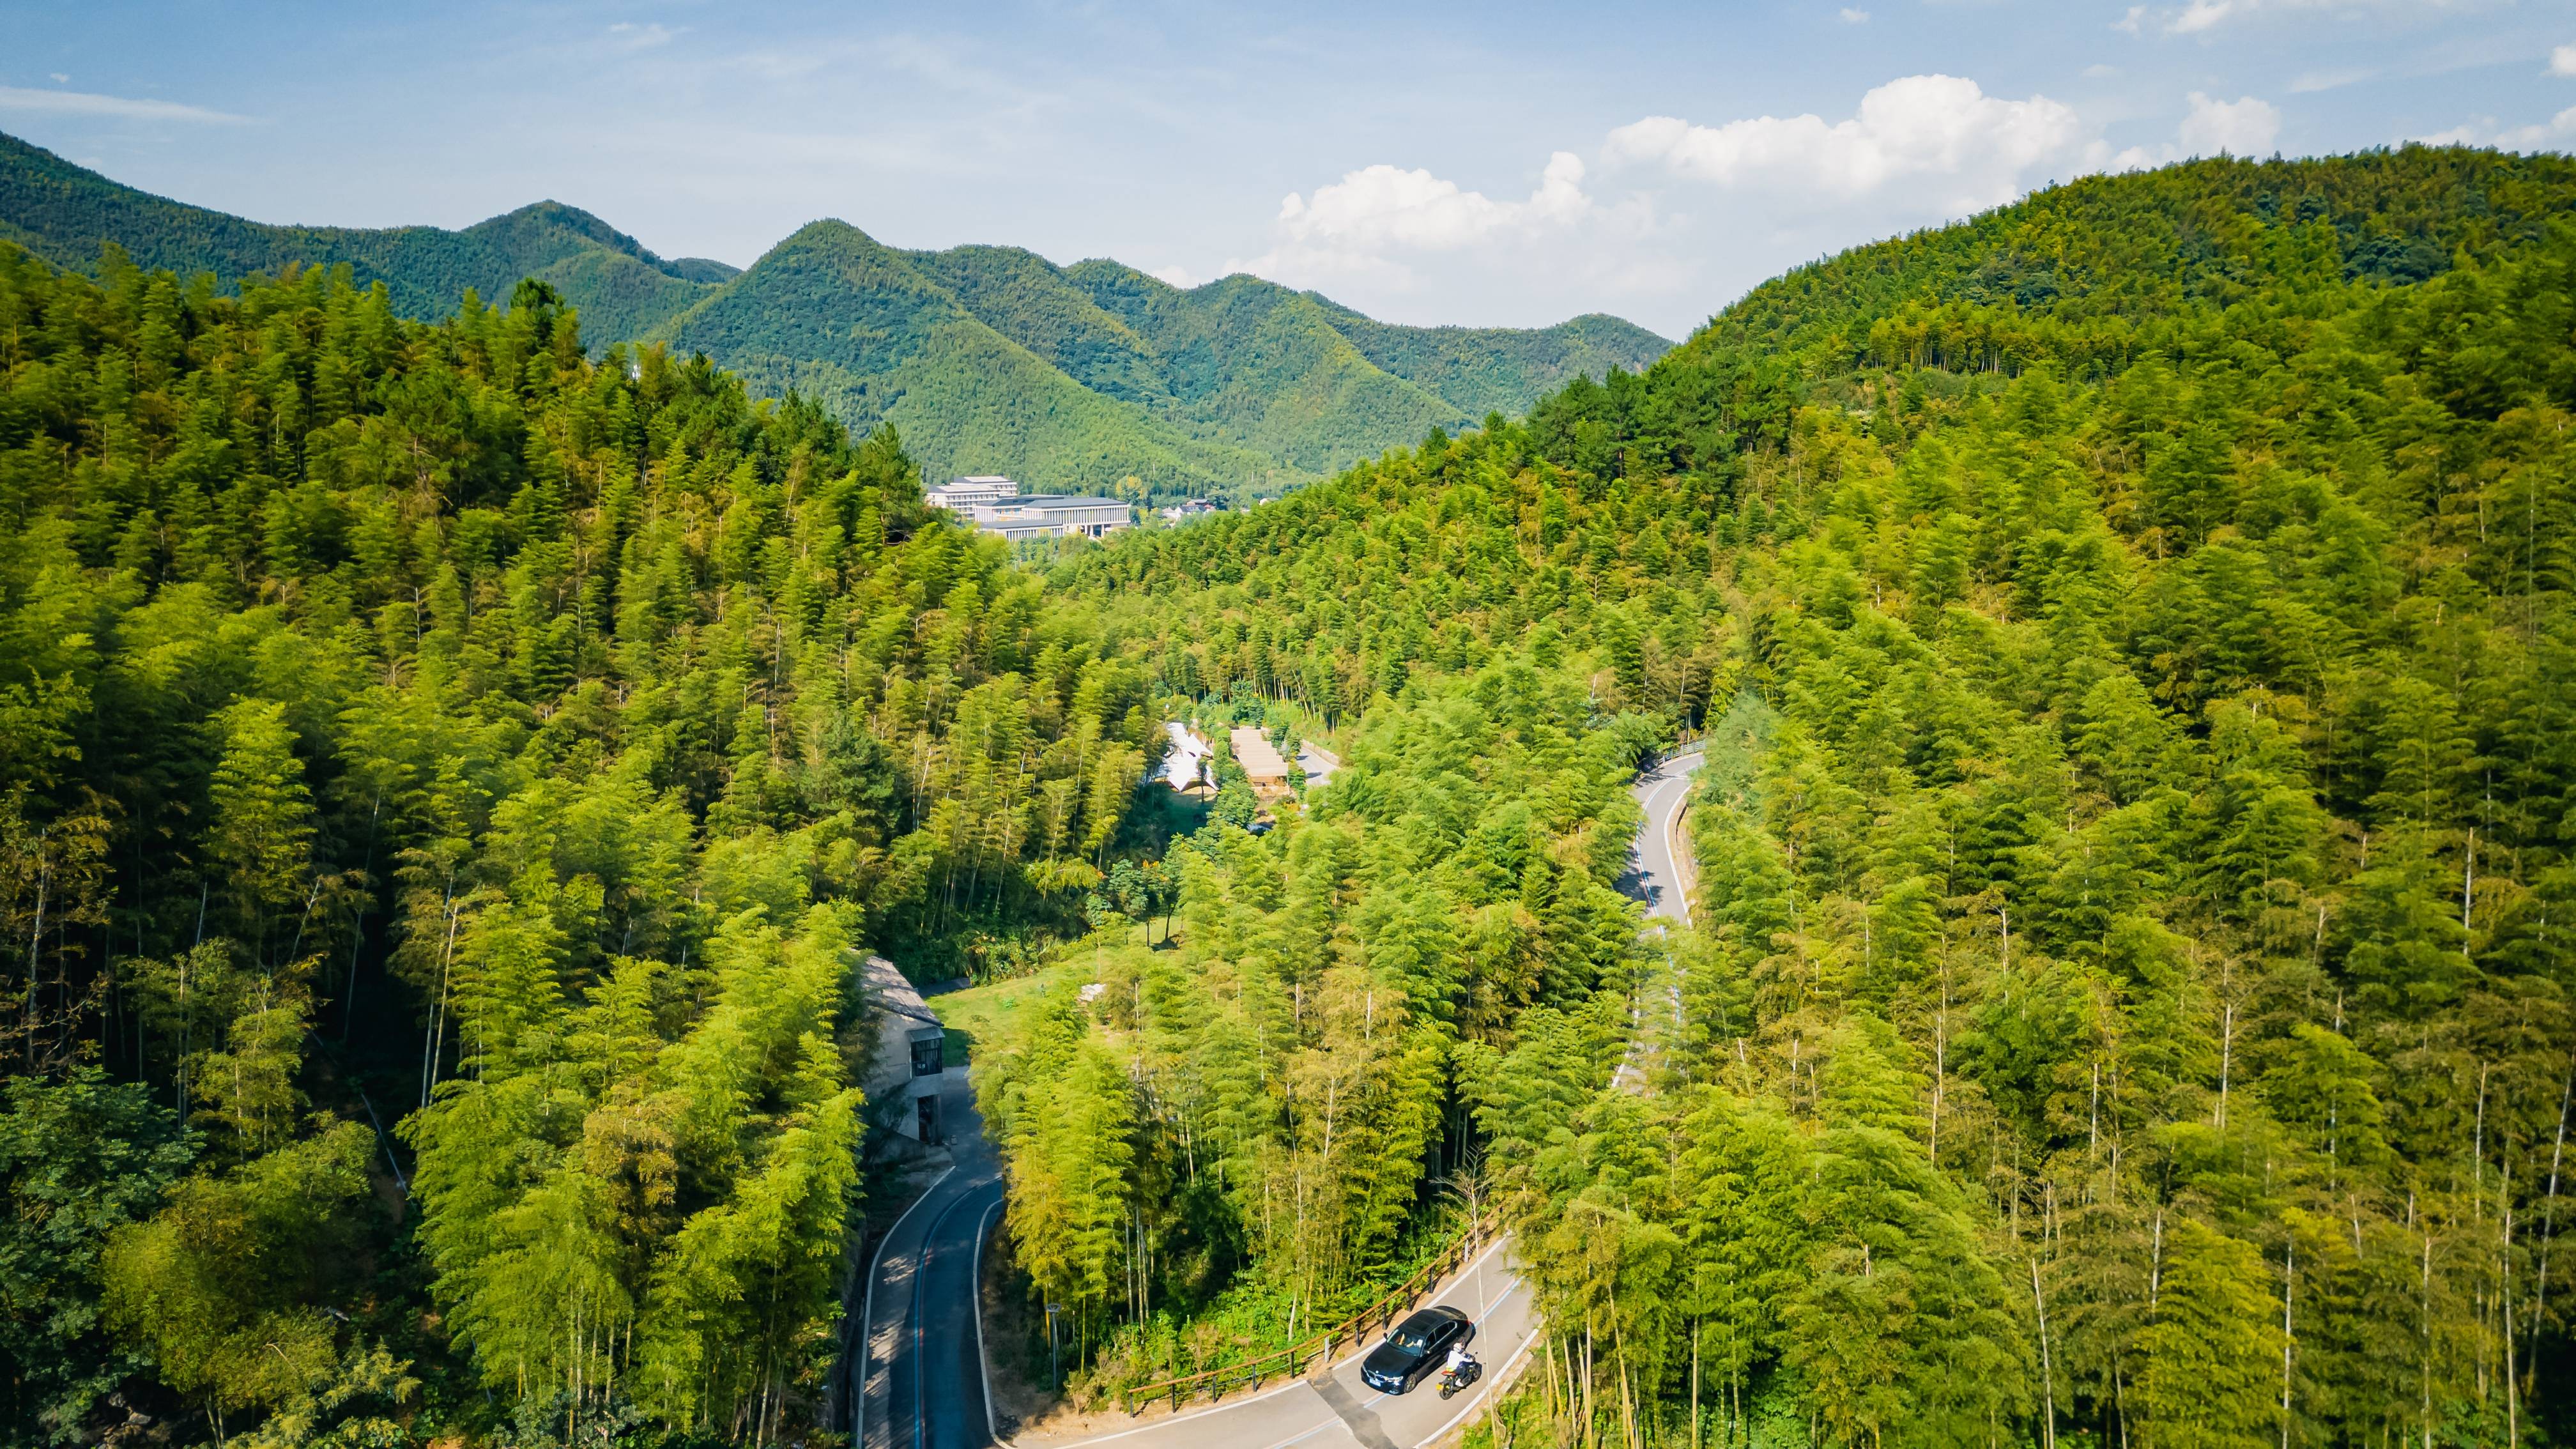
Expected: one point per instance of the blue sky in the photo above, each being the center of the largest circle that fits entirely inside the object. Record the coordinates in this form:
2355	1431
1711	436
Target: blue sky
1486	164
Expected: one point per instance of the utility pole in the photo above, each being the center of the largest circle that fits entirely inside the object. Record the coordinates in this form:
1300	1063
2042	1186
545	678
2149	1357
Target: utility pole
1054	1380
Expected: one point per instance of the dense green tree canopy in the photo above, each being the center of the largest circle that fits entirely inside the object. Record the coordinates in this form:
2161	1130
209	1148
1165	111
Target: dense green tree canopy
430	720
447	779
2127	990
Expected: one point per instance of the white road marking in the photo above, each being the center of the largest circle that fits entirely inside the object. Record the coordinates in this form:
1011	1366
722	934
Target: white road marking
1475	1267
983	1365
868	1300
1478	1402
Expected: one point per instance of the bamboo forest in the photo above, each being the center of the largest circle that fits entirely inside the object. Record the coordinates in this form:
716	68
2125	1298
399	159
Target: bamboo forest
452	775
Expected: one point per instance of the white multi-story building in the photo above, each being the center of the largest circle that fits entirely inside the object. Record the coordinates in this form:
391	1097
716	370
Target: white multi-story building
963	494
1052	515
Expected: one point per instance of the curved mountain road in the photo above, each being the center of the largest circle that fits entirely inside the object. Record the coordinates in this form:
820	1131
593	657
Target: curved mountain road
921	1377
1653	874
922	1383
1334	1410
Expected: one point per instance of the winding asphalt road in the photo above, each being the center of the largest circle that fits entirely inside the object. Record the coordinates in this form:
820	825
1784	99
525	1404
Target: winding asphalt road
1334	1410
1651	876
922	1380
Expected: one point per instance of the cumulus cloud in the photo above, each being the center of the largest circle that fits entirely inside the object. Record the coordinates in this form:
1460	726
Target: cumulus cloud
2241	127
1665	194
2562	61
1392	210
1374	222
2556	133
2245	126
128	108
1178	276
2200	15
1855	17
1382	207
1936	128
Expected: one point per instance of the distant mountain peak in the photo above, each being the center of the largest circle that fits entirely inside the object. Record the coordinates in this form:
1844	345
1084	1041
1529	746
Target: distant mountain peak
989	357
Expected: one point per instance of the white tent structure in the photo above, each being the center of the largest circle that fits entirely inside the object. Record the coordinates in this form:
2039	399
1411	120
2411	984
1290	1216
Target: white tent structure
1186	763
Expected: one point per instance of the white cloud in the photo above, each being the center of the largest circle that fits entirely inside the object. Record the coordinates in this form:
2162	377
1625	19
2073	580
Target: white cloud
2562	61
1178	276
1854	17
1973	147
2241	127
1381	208
1672	207
82	103
2245	126
1370	225
60	79
626	35
2556	133
2198	17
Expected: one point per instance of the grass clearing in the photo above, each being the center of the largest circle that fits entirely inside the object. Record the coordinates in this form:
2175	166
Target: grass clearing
984	1013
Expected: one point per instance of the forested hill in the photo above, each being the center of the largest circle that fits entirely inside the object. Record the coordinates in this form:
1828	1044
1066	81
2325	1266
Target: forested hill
990	359
444	784
2128	993
446	776
68	214
2076	274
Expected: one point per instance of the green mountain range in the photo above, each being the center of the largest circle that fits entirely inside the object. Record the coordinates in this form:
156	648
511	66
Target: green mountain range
987	359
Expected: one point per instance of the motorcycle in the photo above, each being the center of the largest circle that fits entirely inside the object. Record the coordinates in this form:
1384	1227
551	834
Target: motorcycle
1454	1379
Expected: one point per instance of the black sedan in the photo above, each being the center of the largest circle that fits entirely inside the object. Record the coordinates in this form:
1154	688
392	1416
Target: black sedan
1416	1350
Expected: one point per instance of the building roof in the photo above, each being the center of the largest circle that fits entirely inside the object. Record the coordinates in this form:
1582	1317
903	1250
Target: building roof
1255	755
1059	500
1181	765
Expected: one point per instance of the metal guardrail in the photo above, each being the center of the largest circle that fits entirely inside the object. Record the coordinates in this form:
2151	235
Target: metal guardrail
1292	1361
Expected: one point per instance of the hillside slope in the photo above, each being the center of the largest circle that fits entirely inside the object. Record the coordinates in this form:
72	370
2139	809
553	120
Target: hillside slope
628	909
2130	636
1497	369
66	214
1251	360
1240	385
855	324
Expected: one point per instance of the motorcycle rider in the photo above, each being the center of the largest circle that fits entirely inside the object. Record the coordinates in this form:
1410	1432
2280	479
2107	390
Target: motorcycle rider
1458	1361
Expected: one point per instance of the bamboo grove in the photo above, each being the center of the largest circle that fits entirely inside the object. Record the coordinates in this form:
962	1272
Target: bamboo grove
446	778
445	781
2126	999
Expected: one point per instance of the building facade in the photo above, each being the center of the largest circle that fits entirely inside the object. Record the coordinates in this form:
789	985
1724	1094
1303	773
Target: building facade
1053	515
965	494
996	505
